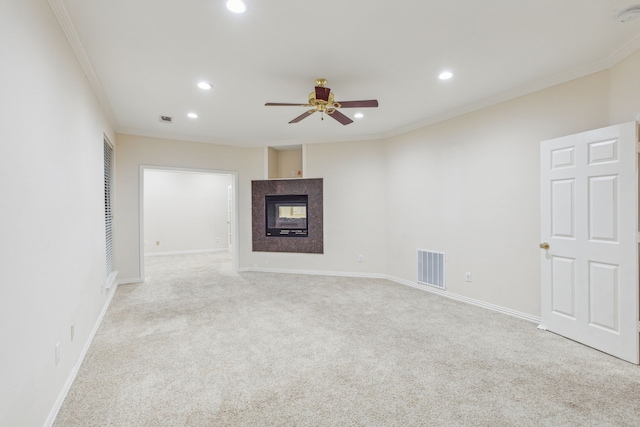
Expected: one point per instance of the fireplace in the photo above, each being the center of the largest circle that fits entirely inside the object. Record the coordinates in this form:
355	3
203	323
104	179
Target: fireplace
286	215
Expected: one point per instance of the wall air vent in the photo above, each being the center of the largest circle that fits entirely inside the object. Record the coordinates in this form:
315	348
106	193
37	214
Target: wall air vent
431	268
166	119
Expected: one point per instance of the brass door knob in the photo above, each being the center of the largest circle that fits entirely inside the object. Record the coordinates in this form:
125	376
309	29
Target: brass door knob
544	246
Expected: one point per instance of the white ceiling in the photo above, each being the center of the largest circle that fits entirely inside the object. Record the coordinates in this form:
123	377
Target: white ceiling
148	56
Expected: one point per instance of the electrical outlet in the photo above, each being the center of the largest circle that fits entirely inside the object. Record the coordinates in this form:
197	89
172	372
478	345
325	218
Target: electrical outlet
57	353
468	276
217	240
360	258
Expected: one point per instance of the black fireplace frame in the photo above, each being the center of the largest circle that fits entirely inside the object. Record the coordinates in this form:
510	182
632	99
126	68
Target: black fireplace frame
277	226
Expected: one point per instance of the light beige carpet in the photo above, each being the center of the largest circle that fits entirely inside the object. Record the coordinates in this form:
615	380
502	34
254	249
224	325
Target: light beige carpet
200	345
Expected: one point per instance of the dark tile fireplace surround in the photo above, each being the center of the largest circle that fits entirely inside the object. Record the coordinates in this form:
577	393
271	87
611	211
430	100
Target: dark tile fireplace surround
305	236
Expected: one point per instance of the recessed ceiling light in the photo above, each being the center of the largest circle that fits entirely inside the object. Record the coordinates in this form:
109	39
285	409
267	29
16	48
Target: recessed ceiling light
204	85
358	115
236	6
445	75
192	115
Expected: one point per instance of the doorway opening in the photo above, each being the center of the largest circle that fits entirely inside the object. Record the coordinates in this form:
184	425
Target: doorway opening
187	214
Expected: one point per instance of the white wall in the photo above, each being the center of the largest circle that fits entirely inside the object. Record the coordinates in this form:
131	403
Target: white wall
624	97
469	187
134	151
185	212
52	232
290	163
273	162
354	215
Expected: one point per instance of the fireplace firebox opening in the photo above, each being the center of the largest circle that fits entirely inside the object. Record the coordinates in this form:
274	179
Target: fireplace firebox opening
286	215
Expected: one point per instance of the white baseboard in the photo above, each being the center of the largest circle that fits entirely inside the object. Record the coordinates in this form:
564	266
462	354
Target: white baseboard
110	280
472	301
312	272
74	372
129	281
197	251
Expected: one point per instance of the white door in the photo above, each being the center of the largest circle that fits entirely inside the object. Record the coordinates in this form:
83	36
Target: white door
589	235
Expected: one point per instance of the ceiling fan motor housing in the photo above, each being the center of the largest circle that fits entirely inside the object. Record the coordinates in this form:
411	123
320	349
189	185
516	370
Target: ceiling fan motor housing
323	93
322	100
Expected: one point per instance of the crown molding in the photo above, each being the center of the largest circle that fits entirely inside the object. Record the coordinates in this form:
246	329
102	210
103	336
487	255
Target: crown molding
60	11
170	136
503	97
621	53
245	143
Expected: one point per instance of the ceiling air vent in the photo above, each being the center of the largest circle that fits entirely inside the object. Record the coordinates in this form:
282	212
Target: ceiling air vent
166	119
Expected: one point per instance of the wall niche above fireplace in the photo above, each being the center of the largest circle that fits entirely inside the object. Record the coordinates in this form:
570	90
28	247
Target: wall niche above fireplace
287	215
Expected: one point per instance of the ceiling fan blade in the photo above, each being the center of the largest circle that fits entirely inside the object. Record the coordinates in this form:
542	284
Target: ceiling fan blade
303	116
281	104
359	104
322	93
340	117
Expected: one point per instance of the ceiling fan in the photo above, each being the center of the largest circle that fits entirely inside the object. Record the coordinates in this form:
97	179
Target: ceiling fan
322	100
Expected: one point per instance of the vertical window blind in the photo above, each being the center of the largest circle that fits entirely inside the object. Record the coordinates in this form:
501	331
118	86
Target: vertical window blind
108	183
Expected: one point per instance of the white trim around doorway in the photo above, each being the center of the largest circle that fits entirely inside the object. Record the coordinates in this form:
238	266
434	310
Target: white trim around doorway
234	189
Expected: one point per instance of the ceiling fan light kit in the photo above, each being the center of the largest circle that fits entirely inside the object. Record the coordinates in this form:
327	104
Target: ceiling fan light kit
323	100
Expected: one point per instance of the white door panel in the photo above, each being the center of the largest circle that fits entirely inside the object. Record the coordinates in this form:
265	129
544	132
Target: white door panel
589	218
563	283
562	208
